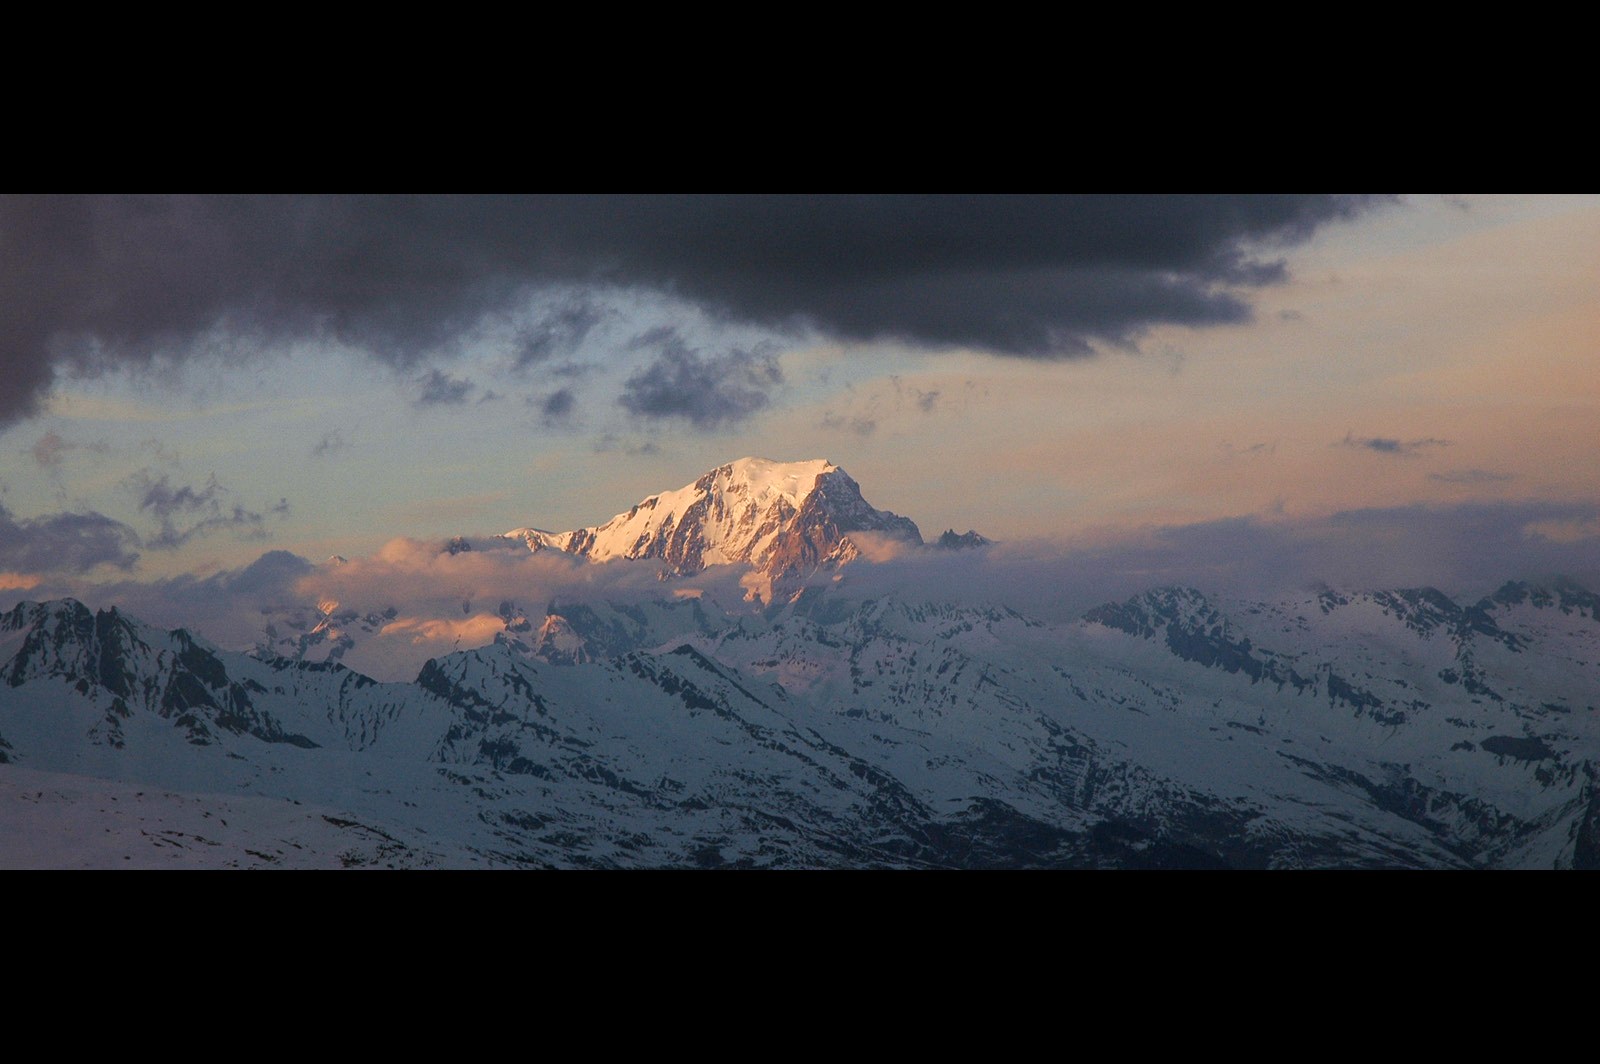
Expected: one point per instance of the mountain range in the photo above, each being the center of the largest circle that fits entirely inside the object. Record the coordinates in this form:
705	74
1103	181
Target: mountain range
814	727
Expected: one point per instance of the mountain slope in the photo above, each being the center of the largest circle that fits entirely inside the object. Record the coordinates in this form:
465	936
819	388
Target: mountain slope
1382	729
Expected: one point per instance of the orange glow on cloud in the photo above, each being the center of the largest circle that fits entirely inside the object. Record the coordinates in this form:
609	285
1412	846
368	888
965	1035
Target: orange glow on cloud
445	631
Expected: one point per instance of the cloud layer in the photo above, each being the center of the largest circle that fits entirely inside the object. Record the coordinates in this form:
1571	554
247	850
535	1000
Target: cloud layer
88	282
422	600
65	542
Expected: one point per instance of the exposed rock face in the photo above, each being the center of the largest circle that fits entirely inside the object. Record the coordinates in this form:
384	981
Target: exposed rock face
128	667
785	520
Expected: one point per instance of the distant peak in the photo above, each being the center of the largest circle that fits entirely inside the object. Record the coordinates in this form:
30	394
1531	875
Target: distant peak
952	540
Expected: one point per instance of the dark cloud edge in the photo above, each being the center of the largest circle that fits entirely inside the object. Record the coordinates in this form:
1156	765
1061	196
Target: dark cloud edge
406	276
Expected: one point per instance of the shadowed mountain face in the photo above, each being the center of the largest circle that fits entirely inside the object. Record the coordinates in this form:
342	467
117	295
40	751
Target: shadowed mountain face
116	661
1373	729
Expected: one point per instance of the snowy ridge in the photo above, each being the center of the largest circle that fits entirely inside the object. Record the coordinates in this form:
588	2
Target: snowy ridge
1373	729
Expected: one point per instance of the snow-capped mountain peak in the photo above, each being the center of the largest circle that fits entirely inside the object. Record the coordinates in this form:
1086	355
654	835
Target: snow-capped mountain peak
785	520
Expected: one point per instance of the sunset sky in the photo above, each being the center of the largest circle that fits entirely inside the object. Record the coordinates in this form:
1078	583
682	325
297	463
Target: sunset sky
1255	390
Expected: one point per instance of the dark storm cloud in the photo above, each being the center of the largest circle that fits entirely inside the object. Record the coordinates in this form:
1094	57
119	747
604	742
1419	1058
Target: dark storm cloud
65	542
185	512
1023	275
1386	445
88	282
708	392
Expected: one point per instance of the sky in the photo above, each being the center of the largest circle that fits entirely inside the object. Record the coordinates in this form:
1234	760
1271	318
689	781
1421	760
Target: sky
204	398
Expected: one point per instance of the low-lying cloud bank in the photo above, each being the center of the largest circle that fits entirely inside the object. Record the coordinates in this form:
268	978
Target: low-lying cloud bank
414	600
1466	551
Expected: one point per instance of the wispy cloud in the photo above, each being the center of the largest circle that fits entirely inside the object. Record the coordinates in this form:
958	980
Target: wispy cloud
558	331
1254	450
1388	445
610	442
925	401
186	512
1470	476
441	389
859	424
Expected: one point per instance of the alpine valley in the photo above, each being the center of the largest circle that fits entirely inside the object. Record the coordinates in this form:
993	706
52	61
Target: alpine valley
805	722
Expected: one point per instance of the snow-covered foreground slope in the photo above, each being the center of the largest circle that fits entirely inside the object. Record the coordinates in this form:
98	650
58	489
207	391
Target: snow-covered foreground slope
58	820
1388	729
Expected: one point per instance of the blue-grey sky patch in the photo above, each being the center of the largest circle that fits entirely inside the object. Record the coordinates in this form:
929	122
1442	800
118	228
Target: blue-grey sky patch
159	450
332	443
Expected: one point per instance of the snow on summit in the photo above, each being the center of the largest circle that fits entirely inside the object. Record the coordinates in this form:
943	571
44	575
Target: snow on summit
784	519
761	478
